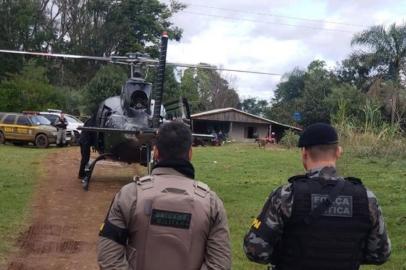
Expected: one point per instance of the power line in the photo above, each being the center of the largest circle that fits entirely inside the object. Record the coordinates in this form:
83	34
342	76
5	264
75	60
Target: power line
267	22
277	15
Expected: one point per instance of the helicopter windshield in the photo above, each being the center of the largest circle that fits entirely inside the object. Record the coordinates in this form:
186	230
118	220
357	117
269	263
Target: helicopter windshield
135	96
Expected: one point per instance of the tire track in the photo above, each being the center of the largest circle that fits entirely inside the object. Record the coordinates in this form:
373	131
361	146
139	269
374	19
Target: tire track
65	219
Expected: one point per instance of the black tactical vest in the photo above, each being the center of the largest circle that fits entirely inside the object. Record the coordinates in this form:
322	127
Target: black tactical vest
335	240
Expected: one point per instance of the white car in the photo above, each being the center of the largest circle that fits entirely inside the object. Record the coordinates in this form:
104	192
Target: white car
72	132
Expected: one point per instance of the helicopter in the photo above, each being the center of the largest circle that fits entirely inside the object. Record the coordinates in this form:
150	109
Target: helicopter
125	126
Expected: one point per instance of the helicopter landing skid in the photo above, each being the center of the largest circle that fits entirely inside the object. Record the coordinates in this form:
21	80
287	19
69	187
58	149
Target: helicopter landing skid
89	170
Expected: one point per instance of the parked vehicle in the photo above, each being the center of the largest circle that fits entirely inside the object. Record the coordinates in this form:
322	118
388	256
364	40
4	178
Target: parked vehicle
72	132
22	129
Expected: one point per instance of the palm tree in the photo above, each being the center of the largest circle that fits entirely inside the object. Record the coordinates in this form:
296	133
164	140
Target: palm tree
385	53
385	49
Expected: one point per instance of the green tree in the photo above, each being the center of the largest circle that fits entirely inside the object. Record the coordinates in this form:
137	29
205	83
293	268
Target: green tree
172	87
107	82
206	89
291	86
254	106
23	26
304	92
29	90
283	111
70	100
226	98
143	21
190	89
354	72
318	85
345	103
86	27
384	49
287	99
103	27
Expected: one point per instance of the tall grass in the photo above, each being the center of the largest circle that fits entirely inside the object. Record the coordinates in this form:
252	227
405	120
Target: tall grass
365	135
370	136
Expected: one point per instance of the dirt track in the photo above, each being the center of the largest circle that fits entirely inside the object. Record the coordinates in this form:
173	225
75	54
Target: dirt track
65	219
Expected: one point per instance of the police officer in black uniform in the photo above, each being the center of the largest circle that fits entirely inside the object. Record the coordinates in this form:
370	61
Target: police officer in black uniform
86	141
319	220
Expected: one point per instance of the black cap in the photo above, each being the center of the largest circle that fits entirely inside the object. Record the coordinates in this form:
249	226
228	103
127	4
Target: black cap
318	134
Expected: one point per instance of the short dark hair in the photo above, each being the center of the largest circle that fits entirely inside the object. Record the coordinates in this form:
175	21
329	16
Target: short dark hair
322	152
174	141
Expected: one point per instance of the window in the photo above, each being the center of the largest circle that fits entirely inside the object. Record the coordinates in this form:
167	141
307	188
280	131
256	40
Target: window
50	117
23	120
72	119
1	116
40	120
9	119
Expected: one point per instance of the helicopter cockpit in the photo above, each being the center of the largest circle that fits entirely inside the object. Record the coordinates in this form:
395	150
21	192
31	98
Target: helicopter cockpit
135	97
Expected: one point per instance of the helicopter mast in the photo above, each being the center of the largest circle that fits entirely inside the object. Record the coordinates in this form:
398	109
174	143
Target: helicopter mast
159	82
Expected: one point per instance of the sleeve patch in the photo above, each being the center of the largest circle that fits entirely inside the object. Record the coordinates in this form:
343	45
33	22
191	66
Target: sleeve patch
113	232
256	224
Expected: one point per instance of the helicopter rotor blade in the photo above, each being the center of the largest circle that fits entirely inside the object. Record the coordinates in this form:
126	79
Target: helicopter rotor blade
121	63
222	69
125	60
58	55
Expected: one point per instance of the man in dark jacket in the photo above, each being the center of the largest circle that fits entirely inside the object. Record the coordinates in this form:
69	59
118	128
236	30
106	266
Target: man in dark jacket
86	141
319	220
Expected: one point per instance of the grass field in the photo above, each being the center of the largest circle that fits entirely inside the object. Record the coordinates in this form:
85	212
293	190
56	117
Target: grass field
19	170
244	175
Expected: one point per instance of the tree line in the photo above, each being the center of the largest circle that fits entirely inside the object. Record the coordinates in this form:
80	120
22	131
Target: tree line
96	28
371	79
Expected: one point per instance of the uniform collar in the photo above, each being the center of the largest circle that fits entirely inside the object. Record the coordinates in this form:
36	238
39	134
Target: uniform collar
175	167
328	172
166	171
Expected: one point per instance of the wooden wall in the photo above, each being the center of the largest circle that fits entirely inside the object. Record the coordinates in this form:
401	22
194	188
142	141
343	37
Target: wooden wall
238	131
231	116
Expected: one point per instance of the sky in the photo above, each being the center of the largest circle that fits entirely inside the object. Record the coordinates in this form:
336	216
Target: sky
274	35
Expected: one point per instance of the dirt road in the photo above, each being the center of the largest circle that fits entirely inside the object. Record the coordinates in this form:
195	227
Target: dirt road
65	219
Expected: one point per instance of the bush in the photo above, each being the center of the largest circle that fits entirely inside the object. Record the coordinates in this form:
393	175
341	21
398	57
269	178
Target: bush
29	90
289	139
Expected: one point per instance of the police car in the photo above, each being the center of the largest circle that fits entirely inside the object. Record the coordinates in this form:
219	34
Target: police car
22	129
